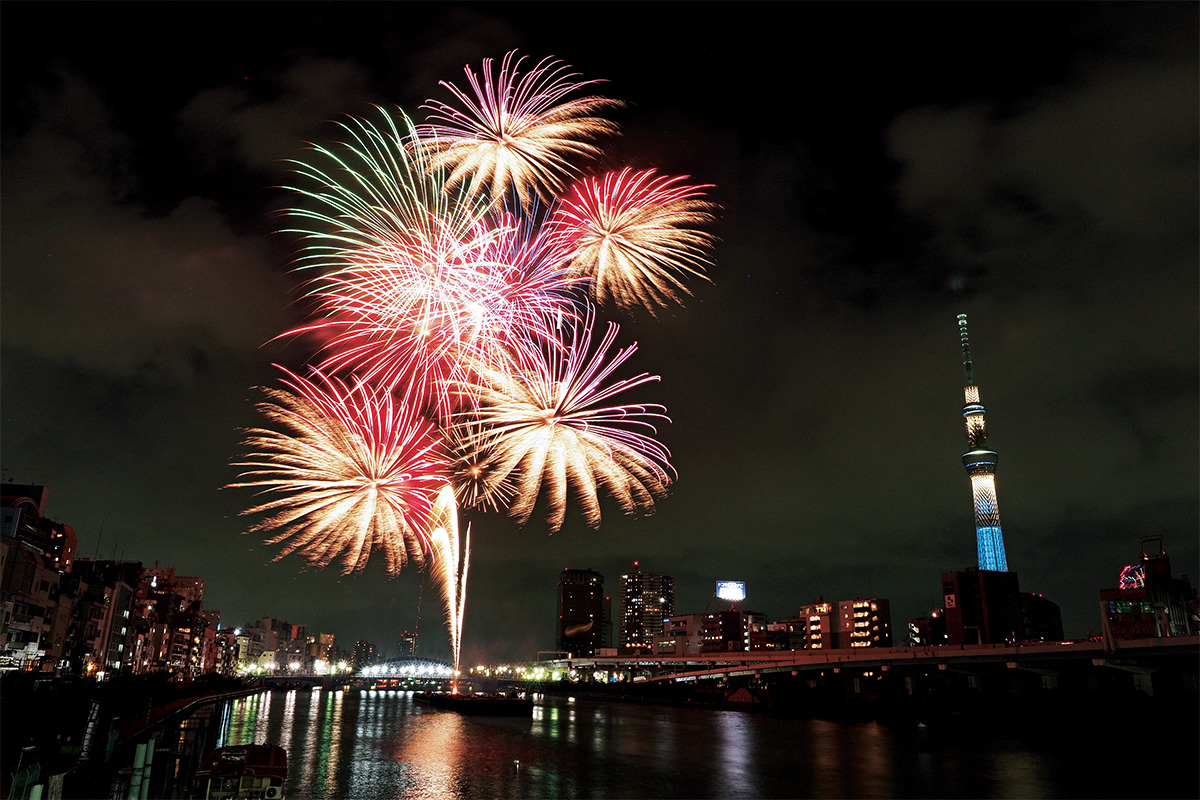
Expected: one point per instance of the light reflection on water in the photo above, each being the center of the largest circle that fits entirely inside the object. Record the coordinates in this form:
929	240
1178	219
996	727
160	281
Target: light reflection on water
380	744
736	768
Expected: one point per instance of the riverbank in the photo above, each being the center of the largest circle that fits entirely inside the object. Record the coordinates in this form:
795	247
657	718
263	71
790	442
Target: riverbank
86	731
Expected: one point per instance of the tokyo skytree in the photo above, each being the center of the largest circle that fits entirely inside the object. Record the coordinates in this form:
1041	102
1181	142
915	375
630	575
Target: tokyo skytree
980	463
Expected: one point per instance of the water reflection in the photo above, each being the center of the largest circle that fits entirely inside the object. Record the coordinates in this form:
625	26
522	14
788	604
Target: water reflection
737	770
432	753
380	744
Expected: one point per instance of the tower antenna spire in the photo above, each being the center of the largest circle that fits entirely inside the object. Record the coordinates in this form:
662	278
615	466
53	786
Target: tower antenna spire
966	348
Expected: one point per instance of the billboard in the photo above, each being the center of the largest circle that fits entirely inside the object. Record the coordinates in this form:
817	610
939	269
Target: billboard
733	591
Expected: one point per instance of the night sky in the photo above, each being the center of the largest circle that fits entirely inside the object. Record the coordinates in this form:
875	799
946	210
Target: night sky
879	169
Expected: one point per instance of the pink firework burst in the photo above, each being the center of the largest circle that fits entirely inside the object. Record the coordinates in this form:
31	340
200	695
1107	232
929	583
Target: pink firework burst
536	293
415	315
352	471
515	130
409	285
635	235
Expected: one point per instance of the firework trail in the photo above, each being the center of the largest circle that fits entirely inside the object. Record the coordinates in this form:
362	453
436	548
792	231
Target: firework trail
353	470
635	235
452	557
514	130
549	428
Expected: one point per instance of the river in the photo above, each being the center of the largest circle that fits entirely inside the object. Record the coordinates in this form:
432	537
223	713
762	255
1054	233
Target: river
380	744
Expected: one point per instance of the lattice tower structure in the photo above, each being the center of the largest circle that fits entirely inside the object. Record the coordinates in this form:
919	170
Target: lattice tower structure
980	463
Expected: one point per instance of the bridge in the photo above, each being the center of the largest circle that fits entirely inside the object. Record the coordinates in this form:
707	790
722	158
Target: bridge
1044	662
402	673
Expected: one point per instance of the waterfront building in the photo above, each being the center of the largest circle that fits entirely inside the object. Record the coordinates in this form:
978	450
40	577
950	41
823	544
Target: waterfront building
647	598
682	635
818	625
982	606
363	655
822	625
35	554
744	630
106	605
323	646
865	623
583	627
730	630
1041	619
980	463
724	632
183	590
179	633
778	636
406	646
928	631
225	652
1148	602
794	631
23	518
30	587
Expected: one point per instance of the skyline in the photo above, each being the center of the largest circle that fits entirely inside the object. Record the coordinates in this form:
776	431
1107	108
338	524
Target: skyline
1048	191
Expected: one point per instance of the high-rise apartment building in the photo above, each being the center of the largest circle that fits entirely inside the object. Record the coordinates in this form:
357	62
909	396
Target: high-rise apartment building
406	646
583	625
363	654
647	598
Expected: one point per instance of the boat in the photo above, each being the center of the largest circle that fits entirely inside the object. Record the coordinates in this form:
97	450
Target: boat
489	705
244	772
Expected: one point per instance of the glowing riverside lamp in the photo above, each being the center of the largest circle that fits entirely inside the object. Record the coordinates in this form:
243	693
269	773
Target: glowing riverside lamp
980	463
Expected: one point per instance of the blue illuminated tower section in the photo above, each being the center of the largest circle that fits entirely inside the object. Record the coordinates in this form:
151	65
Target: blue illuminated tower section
980	463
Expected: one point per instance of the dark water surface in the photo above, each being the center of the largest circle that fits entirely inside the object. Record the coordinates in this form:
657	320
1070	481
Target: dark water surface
380	744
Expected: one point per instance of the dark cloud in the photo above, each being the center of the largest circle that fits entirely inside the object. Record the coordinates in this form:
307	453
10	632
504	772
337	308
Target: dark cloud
874	176
258	126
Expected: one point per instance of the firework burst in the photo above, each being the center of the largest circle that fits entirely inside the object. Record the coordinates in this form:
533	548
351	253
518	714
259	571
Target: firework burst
410	282
353	470
536	293
514	130
448	276
635	235
474	481
549	428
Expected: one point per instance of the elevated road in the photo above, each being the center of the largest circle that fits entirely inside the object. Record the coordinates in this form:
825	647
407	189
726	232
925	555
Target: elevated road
1141	654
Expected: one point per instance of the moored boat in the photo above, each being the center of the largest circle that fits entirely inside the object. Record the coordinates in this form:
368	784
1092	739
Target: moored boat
245	772
491	705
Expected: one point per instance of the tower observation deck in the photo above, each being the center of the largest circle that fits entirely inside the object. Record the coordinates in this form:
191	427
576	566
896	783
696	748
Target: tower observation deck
980	463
